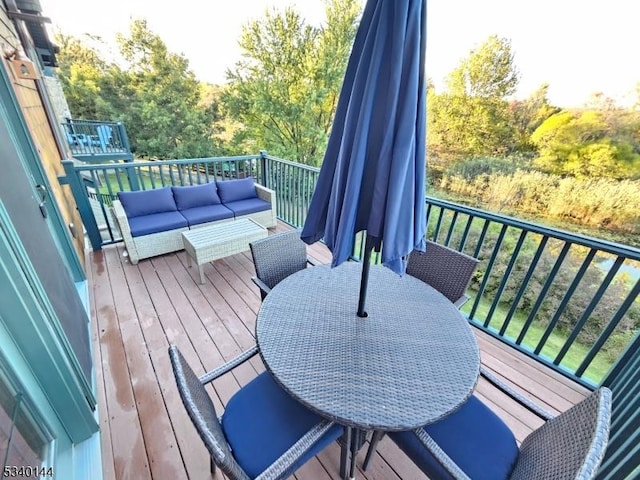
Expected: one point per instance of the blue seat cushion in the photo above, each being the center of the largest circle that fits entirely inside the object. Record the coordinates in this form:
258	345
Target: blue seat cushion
474	437
196	196
261	422
146	202
211	213
156	222
233	190
247	206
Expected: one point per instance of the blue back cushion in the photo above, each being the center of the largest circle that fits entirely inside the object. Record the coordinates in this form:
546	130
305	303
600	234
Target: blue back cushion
233	190
147	202
474	437
262	421
196	196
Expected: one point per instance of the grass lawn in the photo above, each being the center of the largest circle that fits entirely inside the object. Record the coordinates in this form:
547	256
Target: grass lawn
572	360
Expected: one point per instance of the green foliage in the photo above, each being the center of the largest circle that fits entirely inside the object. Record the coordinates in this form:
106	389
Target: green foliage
463	126
285	89
154	94
487	72
583	144
472	168
528	115
594	202
473	117
85	78
164	115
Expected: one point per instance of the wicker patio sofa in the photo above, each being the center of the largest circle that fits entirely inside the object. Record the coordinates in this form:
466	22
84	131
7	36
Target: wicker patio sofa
152	221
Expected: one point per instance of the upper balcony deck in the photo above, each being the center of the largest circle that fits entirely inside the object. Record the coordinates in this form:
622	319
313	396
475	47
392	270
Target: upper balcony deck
97	141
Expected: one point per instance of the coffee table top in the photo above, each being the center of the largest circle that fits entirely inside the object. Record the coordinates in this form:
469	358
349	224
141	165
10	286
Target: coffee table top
221	232
411	362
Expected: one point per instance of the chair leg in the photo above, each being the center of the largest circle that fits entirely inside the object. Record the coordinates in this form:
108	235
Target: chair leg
373	444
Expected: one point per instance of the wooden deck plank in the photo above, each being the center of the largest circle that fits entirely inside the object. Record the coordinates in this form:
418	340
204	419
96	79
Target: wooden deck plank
163	455
127	443
138	310
108	472
198	333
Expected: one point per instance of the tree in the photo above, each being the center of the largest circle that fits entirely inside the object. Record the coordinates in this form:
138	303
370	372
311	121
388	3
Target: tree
84	77
581	144
164	115
472	118
528	115
487	72
153	92
284	90
463	126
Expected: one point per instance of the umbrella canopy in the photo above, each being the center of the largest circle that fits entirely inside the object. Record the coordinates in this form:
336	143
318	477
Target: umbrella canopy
373	174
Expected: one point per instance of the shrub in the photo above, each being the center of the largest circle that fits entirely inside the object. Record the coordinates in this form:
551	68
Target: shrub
599	203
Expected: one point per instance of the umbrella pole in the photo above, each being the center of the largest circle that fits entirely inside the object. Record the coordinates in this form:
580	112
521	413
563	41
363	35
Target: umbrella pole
364	280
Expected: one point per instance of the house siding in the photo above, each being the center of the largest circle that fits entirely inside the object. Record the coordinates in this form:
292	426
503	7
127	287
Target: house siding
32	106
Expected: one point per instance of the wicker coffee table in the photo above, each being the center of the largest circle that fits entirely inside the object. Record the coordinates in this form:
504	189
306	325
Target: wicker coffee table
220	240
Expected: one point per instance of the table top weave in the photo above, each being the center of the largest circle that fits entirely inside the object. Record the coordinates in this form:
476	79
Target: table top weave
413	360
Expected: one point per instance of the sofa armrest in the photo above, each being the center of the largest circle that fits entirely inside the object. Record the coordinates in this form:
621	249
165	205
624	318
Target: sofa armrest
266	194
123	224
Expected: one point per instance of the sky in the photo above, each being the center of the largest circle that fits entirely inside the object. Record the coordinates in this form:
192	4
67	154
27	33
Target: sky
577	47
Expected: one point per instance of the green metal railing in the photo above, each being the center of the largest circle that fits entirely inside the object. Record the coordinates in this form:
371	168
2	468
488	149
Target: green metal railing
567	300
293	183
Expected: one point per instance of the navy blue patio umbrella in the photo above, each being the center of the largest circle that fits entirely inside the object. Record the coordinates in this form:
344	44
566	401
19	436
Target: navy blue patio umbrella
373	175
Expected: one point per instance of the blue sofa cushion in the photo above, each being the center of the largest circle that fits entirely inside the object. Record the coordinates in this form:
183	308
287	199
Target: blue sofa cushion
147	202
473	436
247	206
261	422
156	222
196	196
233	190
210	213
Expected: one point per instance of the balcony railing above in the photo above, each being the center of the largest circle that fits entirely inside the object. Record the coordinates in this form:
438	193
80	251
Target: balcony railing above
97	141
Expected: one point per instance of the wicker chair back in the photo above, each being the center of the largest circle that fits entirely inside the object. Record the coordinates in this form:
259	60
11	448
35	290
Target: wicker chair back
278	256
445	269
203	415
571	445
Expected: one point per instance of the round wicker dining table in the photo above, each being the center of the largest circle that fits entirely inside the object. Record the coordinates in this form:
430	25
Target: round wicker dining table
412	361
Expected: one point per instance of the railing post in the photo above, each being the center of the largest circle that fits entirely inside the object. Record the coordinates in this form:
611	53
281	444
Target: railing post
623	455
74	181
124	137
131	172
263	168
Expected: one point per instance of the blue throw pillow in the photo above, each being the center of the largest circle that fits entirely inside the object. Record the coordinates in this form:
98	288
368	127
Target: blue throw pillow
233	190
147	202
194	196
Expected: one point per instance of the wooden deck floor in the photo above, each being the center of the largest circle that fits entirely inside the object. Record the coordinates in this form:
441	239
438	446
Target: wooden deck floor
138	310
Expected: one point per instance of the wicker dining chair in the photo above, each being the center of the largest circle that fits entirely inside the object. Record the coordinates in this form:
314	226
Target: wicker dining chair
263	431
276	257
445	269
474	443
